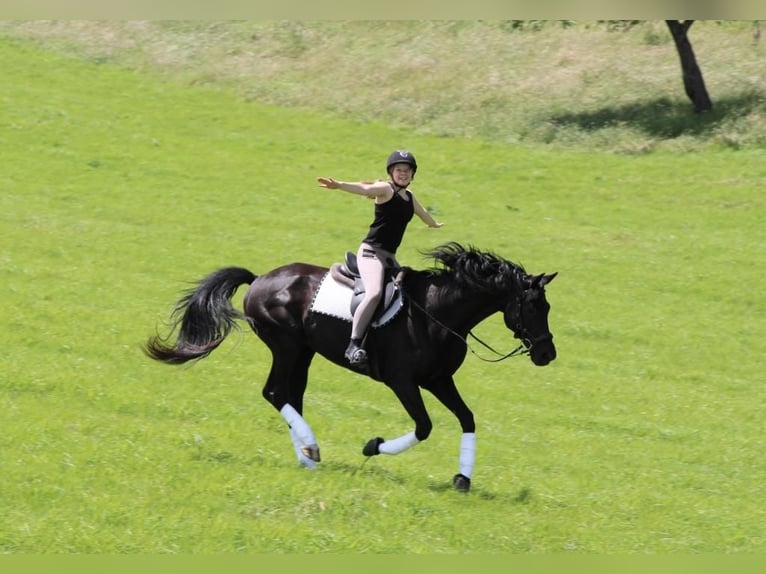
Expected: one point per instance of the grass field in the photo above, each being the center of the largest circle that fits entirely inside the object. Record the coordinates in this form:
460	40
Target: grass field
574	85
122	184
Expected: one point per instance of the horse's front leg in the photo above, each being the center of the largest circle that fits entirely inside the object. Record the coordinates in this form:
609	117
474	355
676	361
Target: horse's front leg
409	395
446	392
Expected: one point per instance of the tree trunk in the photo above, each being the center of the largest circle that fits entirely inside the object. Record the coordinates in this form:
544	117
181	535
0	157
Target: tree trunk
692	75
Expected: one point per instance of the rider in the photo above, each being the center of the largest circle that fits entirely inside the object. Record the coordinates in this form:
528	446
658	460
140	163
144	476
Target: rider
395	205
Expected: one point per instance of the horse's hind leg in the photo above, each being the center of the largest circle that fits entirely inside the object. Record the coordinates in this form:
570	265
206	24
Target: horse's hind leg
284	389
302	437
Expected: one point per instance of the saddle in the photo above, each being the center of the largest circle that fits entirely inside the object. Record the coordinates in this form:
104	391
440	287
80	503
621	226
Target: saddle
342	290
392	294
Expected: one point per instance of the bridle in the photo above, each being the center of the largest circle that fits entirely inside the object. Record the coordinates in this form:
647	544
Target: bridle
518	330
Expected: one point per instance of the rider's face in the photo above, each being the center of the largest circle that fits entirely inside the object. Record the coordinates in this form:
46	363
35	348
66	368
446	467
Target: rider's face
401	173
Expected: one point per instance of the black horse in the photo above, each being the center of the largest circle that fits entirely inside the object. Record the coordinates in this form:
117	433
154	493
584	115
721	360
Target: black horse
422	346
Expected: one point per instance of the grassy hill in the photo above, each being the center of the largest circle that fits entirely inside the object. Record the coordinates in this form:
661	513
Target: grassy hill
136	158
611	86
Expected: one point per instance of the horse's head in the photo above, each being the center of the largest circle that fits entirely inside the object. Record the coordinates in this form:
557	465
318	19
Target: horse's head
527	316
495	282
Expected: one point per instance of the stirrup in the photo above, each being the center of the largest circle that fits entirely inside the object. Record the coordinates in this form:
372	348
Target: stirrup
355	355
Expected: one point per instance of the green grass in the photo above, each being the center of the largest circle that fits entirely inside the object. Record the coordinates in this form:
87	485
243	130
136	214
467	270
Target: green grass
120	186
578	85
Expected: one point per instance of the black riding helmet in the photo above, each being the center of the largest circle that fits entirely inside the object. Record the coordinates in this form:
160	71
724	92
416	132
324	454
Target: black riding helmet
401	156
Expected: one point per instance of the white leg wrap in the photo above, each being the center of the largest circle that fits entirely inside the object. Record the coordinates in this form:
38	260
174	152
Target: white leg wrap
467	453
398	445
298	425
302	458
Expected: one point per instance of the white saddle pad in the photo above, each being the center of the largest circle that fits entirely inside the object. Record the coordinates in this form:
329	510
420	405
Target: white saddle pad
334	299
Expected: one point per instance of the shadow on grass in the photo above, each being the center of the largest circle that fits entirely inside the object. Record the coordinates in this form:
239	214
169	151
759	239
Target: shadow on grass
523	496
365	469
663	118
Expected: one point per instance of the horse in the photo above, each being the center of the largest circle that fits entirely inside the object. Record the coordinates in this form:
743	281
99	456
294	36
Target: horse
421	347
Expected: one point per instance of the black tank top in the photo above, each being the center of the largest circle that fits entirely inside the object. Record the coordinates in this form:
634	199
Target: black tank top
391	219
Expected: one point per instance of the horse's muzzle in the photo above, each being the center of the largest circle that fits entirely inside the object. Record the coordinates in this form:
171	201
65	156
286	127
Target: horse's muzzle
542	351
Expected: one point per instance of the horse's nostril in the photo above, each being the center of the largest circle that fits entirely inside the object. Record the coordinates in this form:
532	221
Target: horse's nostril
543	357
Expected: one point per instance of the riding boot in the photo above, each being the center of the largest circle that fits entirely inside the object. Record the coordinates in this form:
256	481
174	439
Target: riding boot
355	354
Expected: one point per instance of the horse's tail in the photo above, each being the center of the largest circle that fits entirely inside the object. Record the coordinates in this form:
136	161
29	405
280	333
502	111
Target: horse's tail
203	318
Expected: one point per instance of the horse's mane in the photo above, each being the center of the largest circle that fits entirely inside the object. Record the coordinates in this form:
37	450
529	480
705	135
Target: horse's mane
473	268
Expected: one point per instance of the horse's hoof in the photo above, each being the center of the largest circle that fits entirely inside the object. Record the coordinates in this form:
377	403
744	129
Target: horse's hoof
311	452
373	446
307	463
461	483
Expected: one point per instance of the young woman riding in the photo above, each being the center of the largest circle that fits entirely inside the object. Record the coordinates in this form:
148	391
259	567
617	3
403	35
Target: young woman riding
395	205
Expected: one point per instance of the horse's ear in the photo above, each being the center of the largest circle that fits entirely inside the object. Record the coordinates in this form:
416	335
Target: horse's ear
548	278
536	281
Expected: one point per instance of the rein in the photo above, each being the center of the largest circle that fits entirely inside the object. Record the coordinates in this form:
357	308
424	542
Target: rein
518	351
